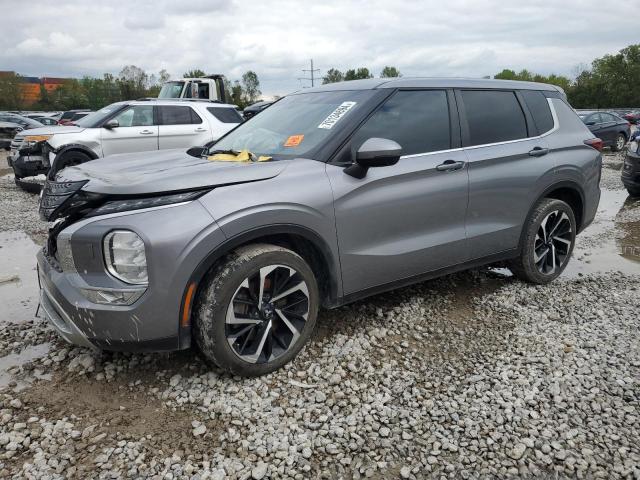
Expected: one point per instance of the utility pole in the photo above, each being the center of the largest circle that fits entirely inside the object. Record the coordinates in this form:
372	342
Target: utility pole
312	72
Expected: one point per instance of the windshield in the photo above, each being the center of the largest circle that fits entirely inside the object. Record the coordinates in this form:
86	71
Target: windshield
95	119
171	90
295	125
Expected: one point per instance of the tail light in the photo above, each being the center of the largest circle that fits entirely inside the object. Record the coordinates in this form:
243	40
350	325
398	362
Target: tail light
594	143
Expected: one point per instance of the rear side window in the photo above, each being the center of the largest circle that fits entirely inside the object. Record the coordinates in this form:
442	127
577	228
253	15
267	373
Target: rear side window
177	115
539	108
418	120
493	116
225	115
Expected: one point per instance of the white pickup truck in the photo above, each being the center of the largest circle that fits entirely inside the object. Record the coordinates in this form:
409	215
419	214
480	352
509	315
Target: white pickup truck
210	87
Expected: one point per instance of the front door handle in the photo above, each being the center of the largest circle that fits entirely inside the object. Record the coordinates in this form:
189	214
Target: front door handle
538	152
449	165
146	132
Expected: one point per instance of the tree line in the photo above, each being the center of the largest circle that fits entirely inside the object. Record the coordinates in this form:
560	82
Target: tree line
131	83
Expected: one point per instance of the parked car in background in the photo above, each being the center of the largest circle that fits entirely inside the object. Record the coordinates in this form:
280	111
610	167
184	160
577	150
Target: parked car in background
631	168
8	130
632	117
25	122
330	195
71	116
613	130
123	127
254	109
45	120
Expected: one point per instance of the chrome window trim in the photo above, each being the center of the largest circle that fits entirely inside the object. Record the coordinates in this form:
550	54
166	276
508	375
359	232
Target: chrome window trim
556	126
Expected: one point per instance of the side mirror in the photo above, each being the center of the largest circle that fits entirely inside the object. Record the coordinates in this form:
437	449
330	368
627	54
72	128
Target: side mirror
590	123
375	152
197	152
109	124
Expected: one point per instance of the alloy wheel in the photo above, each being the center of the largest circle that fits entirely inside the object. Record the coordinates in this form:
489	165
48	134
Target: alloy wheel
620	142
553	242
267	314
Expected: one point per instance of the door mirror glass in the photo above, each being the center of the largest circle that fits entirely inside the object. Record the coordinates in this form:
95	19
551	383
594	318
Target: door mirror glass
374	152
113	123
590	123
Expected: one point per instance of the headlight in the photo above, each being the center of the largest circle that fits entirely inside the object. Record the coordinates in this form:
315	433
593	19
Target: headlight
117	206
633	146
31	140
125	257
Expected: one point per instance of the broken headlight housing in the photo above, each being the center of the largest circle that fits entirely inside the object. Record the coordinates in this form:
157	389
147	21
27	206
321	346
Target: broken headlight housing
124	256
117	206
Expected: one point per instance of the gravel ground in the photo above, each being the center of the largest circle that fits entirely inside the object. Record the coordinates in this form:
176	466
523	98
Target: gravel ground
471	375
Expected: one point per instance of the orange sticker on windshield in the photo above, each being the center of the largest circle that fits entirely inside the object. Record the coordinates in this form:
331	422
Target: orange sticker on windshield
294	141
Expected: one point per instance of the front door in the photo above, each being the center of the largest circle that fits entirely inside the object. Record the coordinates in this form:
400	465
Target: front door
408	219
135	132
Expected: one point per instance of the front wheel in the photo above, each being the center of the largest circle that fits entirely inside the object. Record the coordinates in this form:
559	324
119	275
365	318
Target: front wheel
256	310
547	244
619	142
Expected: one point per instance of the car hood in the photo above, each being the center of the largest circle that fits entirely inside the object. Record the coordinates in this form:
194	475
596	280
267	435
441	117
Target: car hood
164	171
51	130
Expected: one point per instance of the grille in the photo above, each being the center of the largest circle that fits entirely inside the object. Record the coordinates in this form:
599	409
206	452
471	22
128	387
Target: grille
57	199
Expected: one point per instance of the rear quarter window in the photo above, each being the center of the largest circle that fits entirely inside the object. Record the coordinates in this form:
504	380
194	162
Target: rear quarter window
539	107
225	115
493	116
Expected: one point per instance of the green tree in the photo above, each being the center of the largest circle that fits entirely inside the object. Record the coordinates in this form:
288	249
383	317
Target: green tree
11	92
333	76
358	74
390	72
506	74
133	82
250	87
194	73
237	95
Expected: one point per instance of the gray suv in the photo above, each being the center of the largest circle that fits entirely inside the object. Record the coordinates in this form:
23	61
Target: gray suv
330	195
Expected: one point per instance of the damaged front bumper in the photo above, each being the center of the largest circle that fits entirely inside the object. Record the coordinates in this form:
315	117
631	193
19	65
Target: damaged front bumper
30	161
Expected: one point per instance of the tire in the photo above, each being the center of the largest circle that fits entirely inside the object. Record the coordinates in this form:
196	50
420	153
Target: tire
230	294
634	192
619	143
551	261
68	159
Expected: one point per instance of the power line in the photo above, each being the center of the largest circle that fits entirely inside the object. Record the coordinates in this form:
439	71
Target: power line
312	71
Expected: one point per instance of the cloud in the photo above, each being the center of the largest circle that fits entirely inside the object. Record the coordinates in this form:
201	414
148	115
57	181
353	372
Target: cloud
277	38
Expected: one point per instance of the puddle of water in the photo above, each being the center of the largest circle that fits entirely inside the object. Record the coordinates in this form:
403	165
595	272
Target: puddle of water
607	245
18	297
28	354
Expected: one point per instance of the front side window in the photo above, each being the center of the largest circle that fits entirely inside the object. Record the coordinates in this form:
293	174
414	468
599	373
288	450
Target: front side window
296	125
136	116
493	116
593	119
418	120
177	115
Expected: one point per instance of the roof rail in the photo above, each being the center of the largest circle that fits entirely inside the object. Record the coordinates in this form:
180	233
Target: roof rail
147	99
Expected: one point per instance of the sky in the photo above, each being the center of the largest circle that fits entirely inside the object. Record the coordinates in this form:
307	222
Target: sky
276	39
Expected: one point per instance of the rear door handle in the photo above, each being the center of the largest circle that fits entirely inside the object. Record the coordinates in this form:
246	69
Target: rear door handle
538	152
449	165
201	129
146	132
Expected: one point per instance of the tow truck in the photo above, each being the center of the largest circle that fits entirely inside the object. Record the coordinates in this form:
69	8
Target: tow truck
210	87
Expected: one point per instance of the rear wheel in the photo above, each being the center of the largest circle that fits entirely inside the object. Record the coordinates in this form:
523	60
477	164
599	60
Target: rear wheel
619	142
256	310
548	242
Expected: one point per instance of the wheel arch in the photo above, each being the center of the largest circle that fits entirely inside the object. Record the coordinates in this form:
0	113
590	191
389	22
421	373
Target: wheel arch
302	240
567	191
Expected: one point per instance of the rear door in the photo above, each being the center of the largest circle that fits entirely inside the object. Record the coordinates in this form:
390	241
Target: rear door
407	219
508	162
609	127
181	127
135	132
